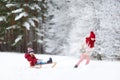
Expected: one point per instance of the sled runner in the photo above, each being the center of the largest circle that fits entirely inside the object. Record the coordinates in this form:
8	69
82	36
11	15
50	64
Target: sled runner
52	65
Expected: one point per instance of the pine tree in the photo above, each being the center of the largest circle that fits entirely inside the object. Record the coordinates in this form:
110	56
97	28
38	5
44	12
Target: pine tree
23	18
3	24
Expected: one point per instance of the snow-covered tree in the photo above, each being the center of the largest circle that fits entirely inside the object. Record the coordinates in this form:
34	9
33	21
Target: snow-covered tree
73	20
24	19
3	24
108	14
56	30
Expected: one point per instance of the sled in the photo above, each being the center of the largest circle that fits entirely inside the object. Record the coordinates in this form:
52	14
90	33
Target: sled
52	65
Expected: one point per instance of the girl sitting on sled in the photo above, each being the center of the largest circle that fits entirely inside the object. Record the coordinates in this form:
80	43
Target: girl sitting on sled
29	55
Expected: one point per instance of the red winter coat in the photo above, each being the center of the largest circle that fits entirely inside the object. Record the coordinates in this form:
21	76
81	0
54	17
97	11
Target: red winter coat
90	42
31	58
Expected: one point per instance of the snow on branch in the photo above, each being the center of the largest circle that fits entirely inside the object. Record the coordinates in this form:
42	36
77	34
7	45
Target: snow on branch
34	18
21	15
10	5
27	25
40	34
2	18
31	22
37	7
39	41
12	27
17	40
17	10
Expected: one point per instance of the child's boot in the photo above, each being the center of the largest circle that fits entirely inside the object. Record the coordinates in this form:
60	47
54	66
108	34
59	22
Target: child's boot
75	66
50	60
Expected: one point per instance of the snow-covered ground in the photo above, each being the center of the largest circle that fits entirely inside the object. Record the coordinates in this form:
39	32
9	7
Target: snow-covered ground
15	67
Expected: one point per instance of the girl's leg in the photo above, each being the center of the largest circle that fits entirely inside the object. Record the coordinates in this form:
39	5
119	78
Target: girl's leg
80	60
87	56
87	59
40	62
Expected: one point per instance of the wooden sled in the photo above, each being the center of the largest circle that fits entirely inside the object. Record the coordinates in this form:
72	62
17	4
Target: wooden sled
53	64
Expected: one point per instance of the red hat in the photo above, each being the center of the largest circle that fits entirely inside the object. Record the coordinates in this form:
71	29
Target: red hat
92	34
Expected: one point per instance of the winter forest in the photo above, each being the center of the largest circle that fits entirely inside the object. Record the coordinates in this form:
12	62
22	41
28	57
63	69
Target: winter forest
59	27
